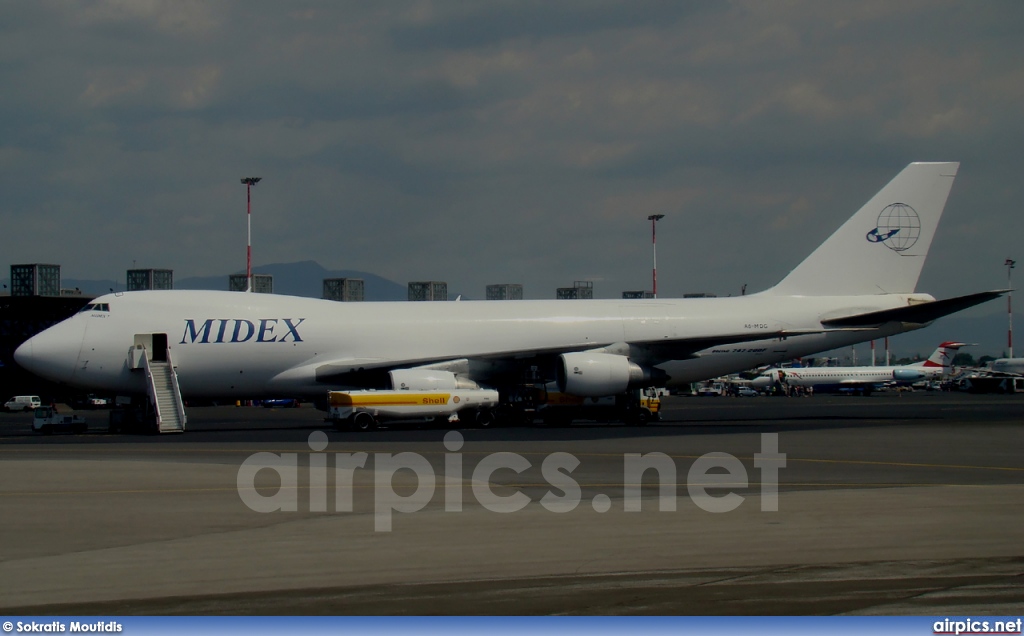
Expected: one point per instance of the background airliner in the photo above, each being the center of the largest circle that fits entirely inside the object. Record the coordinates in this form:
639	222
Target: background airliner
857	286
1010	366
938	365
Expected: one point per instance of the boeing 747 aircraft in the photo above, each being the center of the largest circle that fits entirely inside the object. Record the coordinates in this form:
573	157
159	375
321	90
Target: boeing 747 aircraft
863	379
857	286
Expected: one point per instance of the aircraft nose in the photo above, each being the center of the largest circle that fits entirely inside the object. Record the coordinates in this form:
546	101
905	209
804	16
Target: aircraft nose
23	352
52	354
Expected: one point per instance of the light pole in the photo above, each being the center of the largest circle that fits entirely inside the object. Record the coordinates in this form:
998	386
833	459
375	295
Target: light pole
1010	263
249	183
654	218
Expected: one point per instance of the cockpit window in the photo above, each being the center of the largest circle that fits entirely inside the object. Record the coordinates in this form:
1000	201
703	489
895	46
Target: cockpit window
95	307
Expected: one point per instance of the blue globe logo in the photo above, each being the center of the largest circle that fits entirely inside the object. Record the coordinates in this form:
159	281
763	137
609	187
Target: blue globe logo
898	227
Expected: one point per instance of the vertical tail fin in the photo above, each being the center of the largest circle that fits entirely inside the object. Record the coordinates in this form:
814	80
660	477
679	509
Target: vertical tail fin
943	356
880	249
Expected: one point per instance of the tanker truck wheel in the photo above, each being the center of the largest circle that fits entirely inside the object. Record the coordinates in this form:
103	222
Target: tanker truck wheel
363	421
485	419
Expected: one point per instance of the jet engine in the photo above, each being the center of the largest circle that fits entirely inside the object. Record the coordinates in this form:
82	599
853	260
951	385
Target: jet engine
428	379
907	375
599	374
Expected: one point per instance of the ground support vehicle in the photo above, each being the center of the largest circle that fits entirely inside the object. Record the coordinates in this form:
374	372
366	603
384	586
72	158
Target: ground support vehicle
47	420
367	409
22	403
636	407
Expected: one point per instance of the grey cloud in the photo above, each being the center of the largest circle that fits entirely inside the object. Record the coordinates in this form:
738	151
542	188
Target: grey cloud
462	25
502	142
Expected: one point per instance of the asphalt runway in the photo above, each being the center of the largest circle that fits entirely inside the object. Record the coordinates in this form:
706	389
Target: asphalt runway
890	504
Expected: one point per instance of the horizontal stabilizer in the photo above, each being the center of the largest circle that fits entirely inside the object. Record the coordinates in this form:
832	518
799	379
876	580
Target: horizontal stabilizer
916	314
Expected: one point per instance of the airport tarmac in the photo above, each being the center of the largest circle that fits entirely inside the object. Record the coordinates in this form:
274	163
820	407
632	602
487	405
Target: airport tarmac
889	504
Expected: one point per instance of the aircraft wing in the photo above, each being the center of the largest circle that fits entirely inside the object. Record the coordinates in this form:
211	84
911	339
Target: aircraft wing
658	351
921	313
372	372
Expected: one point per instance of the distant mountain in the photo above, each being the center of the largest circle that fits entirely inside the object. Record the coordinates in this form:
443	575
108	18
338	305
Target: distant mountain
294	279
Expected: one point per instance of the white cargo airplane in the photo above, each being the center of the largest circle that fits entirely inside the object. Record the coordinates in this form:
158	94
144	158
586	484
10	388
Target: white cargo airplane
865	379
857	286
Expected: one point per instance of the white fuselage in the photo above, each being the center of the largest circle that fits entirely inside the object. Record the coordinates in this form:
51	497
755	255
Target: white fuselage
243	344
850	376
1014	366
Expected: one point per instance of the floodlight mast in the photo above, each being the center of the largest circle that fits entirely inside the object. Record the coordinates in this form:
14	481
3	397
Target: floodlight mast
1010	264
654	218
249	183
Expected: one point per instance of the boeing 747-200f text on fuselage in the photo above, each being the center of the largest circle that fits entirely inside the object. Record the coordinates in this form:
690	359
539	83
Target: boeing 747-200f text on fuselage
857	286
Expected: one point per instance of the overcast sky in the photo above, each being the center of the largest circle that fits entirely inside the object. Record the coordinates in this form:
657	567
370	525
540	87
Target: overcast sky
492	142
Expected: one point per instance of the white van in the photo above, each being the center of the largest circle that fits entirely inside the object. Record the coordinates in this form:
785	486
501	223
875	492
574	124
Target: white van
22	403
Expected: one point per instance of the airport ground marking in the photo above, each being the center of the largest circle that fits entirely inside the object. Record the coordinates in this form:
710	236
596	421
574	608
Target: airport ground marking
367	487
307	451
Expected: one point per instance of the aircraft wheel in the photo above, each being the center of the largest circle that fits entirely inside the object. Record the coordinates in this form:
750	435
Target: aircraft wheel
363	421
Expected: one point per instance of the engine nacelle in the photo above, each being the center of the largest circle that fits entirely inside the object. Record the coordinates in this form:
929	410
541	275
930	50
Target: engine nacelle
599	374
428	379
908	375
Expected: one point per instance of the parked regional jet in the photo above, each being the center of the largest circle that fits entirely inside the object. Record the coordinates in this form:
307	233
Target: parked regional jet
857	286
1008	366
864	379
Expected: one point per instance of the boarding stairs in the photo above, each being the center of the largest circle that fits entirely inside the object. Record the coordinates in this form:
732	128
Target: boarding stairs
164	393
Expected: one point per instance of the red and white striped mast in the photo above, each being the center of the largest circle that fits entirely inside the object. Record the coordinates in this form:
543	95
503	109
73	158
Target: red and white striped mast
654	218
1010	263
249	183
